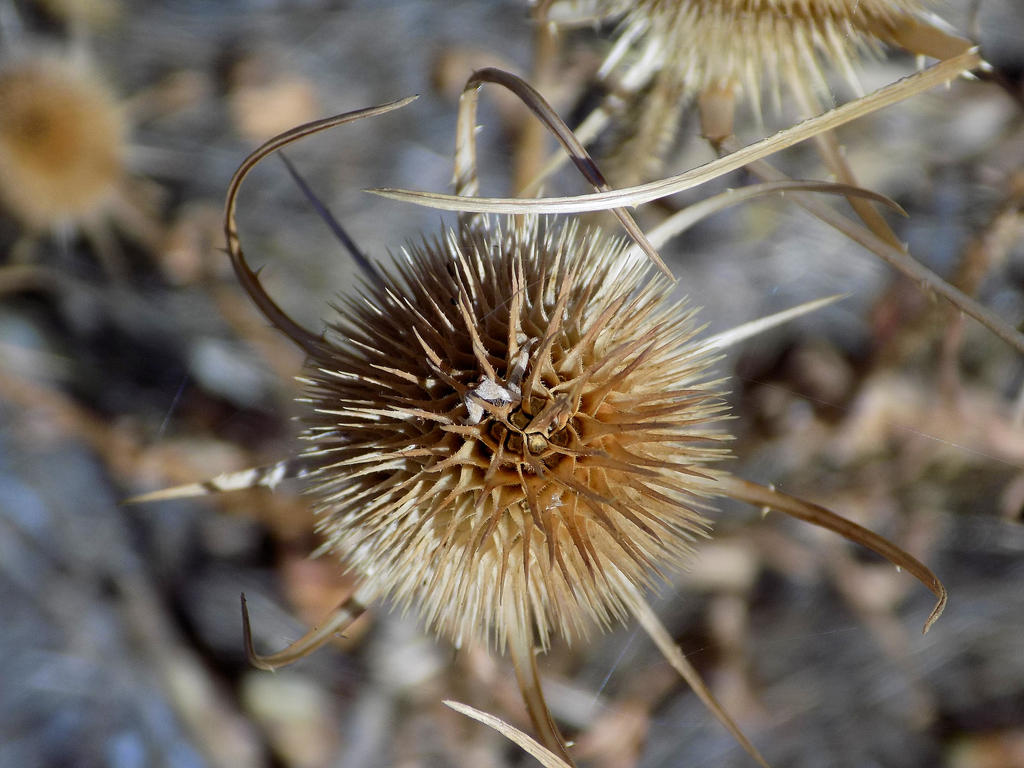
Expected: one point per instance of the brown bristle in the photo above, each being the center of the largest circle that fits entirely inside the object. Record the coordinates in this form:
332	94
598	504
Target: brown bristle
503	429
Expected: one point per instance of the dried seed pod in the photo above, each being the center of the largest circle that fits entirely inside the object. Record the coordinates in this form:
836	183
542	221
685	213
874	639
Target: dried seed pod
671	51
503	428
63	146
61	143
715	50
723	43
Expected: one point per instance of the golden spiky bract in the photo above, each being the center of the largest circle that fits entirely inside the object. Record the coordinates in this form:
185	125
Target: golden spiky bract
61	142
753	43
503	428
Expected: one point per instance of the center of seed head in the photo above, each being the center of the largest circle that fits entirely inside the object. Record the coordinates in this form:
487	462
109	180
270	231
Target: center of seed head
536	443
520	439
522	432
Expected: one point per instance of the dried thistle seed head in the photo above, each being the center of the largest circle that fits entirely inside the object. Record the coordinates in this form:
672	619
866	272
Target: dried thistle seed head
672	50
503	428
61	143
719	44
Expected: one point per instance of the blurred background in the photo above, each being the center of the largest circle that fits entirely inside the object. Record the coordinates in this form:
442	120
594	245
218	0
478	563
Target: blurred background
130	360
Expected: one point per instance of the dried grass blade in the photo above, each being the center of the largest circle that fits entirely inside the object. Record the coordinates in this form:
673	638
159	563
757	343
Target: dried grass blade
465	174
682	220
674	656
544	756
760	325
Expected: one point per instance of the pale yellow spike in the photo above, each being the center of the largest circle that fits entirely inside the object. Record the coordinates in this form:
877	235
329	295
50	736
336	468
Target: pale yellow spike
753	328
254	477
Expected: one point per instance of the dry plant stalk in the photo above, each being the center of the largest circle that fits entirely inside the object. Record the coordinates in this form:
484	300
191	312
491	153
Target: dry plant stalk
513	431
938	74
544	756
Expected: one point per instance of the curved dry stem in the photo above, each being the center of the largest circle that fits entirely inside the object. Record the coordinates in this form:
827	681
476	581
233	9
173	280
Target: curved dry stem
465	175
585	133
544	756
682	220
524	659
311	343
832	155
347	611
674	656
644	193
898	259
769	498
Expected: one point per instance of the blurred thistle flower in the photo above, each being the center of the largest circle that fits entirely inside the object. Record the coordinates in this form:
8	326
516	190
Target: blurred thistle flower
63	147
61	143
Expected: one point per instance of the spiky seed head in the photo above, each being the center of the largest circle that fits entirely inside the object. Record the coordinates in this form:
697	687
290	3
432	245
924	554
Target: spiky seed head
61	142
714	44
503	428
673	50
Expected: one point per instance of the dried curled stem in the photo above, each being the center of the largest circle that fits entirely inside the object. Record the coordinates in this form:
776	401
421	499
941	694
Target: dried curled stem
309	342
769	498
524	659
465	176
350	609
